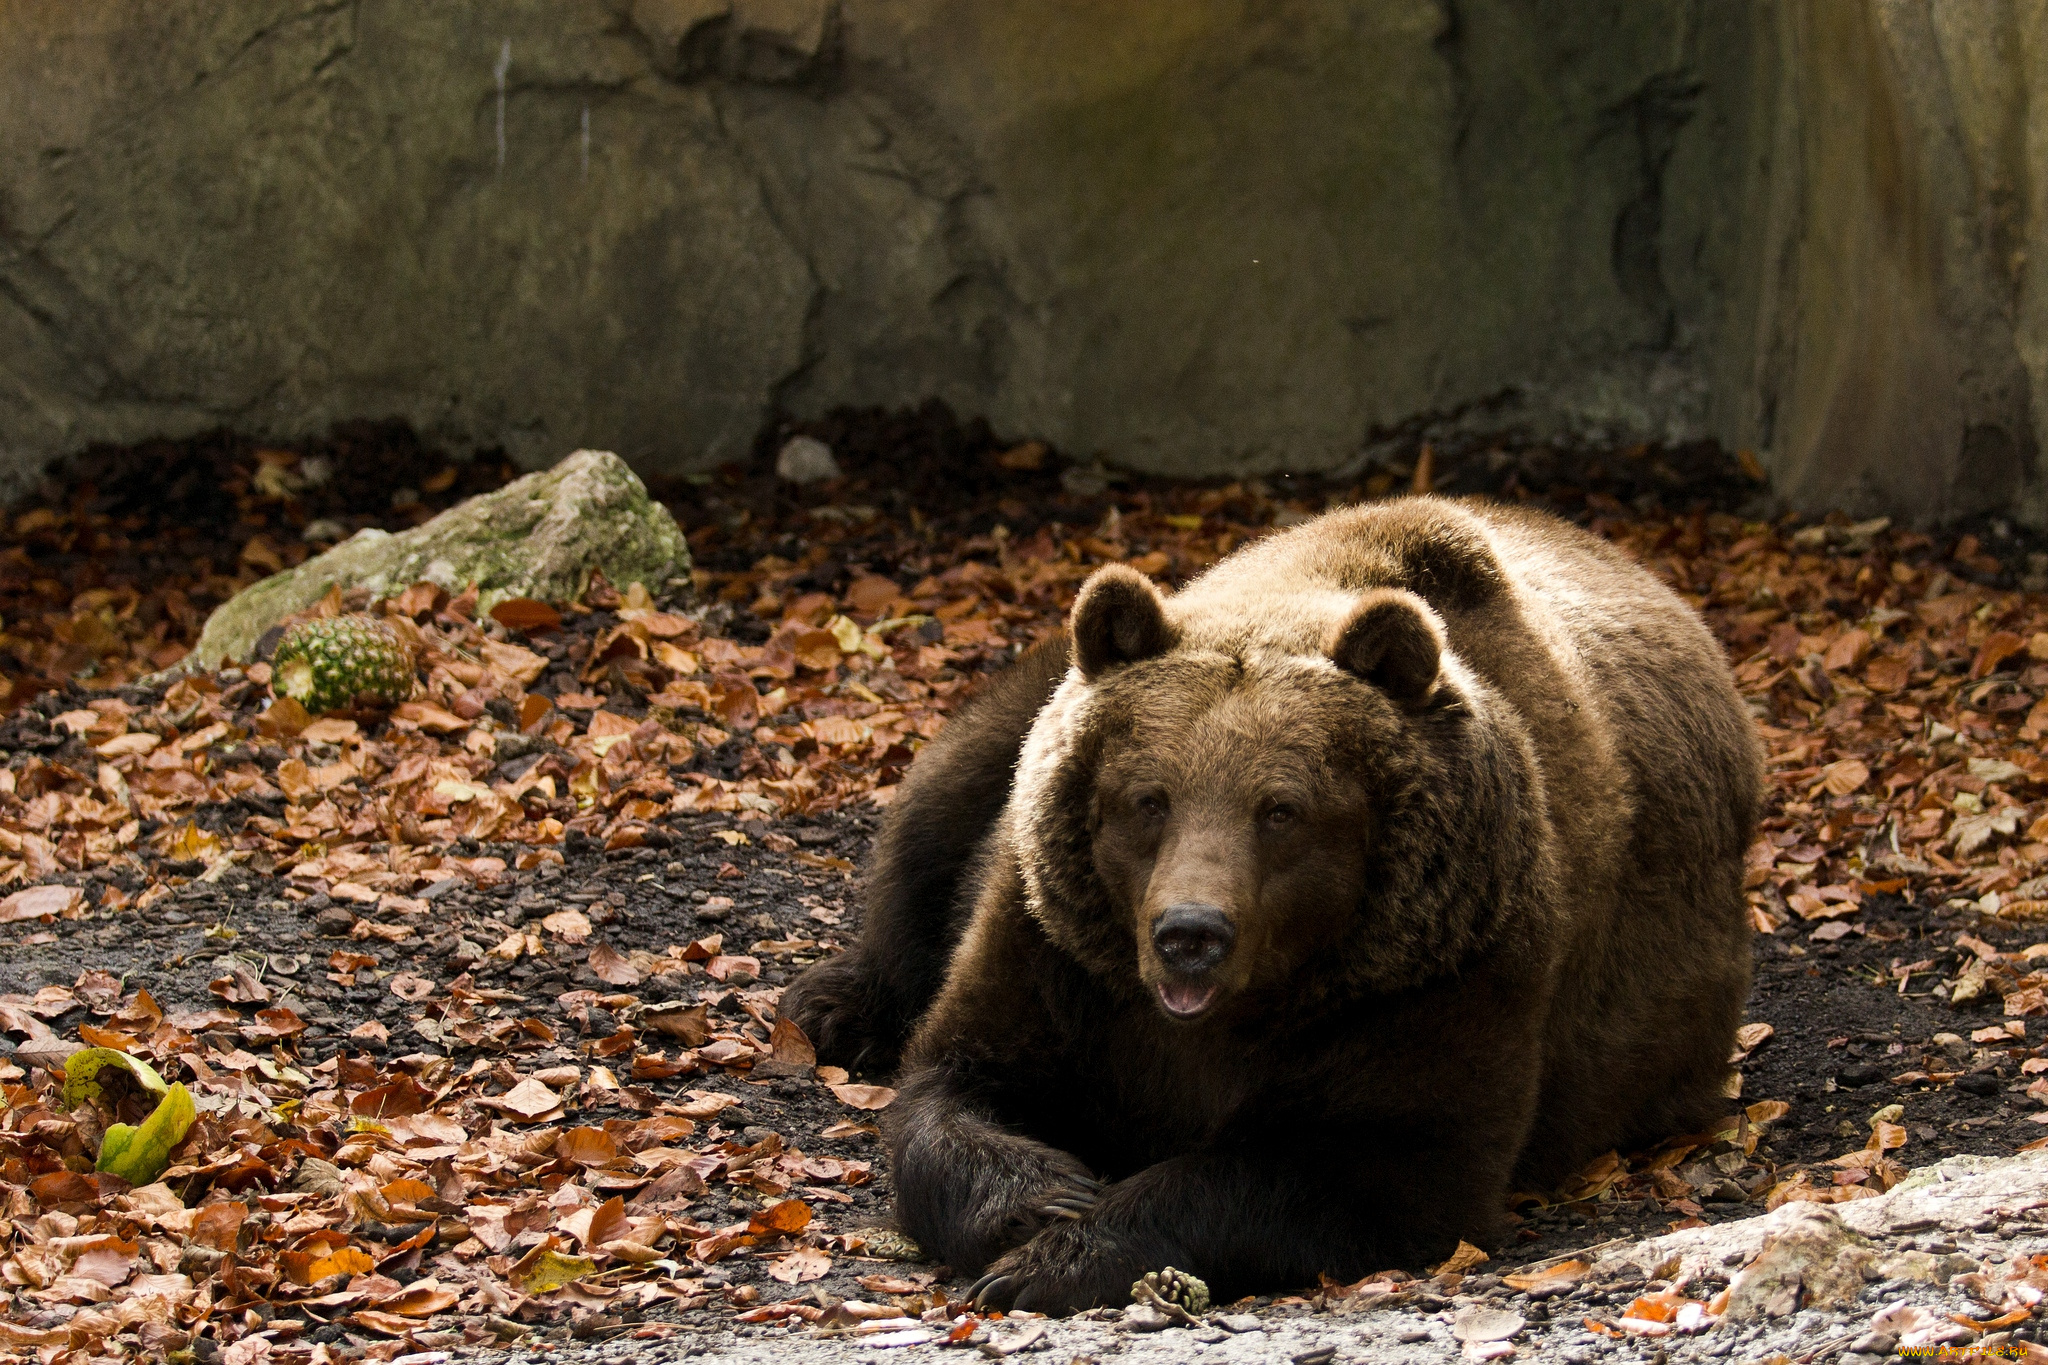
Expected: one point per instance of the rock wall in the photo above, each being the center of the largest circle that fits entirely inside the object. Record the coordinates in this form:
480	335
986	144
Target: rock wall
1192	235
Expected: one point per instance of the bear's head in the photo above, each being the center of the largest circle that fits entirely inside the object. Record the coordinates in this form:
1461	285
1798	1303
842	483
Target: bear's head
1316	798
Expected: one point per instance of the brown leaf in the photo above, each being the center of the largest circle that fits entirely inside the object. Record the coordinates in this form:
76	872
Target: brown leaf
801	1266
652	1066
426	716
283	719
586	1147
528	1101
725	967
611	966
388	1324
1752	1036
1996	649
780	1219
816	649
399	1096
98	991
521	665
788	1044
864	1096
110	1263
409	987
571	926
238	987
1847	651
420	1299
218	1225
1466	1257
311	1267
691	1025
41	902
271	1025
1887	673
590	1226
524	613
847	1128
420	599
1845	776
1767	1111
71	1187
1553	1279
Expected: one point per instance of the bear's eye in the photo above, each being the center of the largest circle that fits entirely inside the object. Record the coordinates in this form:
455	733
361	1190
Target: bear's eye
1279	817
1152	807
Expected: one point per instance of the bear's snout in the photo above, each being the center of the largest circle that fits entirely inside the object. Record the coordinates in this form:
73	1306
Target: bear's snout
1193	938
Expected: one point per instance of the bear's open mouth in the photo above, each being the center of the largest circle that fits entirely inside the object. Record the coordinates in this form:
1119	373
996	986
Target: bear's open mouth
1186	999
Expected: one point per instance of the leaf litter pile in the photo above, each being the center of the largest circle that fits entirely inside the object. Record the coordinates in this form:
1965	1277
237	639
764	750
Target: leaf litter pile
445	1024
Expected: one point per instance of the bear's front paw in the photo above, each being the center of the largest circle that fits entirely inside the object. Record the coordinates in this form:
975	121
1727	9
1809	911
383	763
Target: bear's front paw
1045	1188
1071	1265
835	1004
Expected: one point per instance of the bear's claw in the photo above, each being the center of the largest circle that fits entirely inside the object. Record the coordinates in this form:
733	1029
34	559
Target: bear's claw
1069	1206
1068	1266
986	1292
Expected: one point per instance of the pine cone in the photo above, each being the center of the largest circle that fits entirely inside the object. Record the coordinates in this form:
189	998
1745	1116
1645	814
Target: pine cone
1176	1287
329	663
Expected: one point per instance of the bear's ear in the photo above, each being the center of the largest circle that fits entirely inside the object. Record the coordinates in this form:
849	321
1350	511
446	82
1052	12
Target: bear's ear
1118	620
1392	640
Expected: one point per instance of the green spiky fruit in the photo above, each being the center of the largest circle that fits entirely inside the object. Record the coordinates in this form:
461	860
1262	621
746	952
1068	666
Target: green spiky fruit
327	664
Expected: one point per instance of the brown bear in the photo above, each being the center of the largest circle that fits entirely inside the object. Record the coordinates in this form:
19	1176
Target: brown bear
1283	925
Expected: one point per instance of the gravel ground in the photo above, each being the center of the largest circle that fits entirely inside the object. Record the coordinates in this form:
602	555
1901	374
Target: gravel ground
1966	1224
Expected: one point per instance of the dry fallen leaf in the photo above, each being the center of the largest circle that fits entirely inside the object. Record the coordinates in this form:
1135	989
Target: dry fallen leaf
570	926
529	1101
41	902
1465	1258
801	1266
864	1096
611	966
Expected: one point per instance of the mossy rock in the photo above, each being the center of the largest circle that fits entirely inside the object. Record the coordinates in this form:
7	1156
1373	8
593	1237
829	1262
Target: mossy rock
537	537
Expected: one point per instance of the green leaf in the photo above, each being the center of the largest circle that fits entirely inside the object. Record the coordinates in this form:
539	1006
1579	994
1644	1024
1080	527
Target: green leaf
140	1155
82	1073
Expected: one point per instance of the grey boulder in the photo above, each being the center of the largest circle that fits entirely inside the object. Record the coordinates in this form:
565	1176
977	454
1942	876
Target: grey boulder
539	536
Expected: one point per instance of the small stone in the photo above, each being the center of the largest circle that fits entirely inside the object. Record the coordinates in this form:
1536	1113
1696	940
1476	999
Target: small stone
1486	1324
1412	1336
1239	1322
334	921
1813	1259
1143	1317
1874	1343
806	459
1314	1355
1087	481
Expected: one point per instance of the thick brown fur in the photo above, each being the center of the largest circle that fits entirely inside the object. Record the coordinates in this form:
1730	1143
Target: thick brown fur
1394	862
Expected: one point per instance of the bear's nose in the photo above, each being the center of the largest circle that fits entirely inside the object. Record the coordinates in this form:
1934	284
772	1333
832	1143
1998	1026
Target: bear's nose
1192	937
